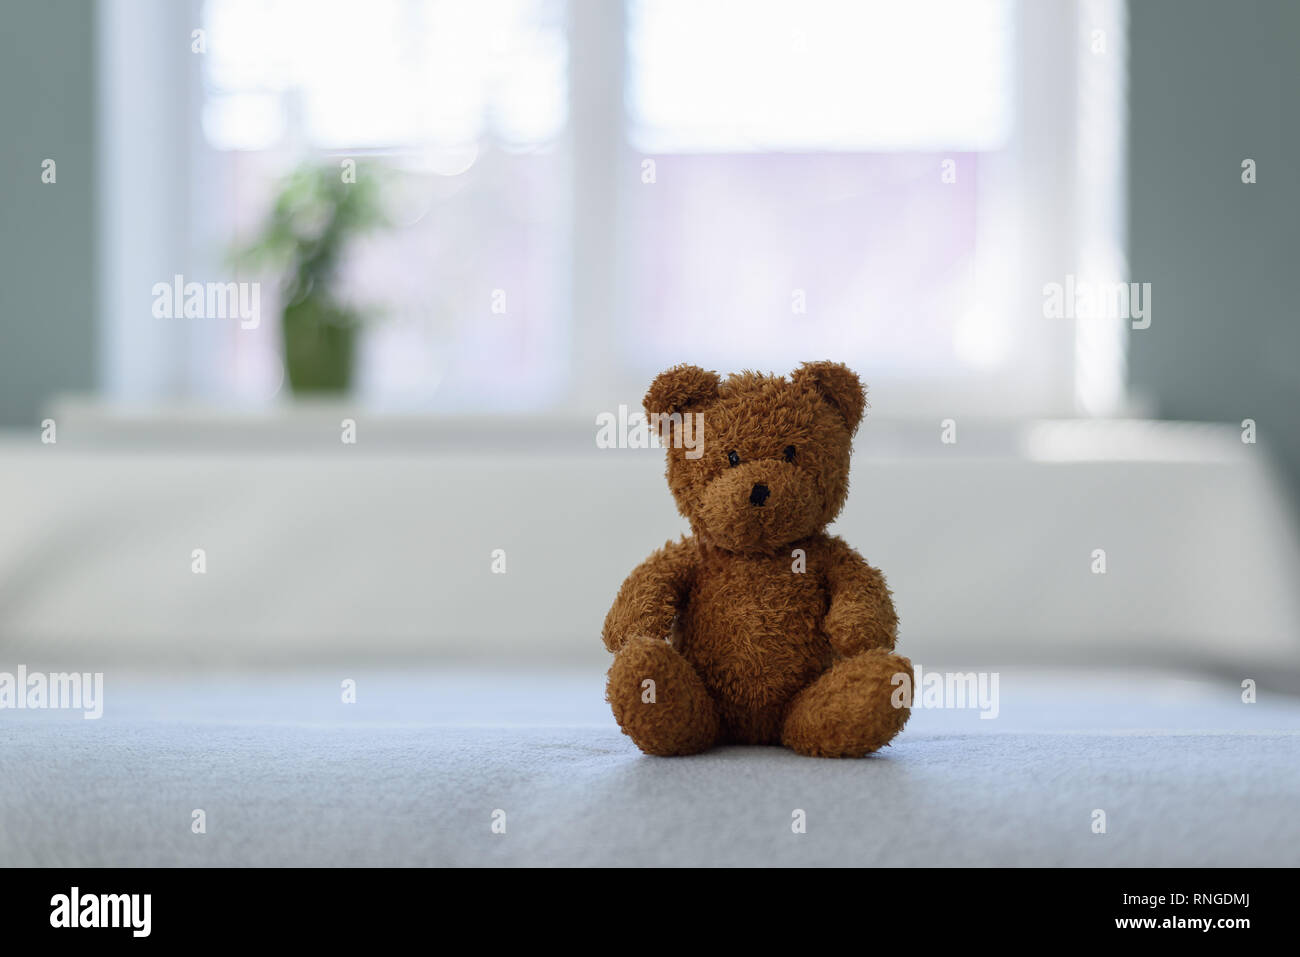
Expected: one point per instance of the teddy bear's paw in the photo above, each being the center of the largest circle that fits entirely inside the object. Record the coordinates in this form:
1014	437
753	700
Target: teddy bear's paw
850	710
659	701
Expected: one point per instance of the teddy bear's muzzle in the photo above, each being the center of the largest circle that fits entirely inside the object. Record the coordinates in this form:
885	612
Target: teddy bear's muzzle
758	505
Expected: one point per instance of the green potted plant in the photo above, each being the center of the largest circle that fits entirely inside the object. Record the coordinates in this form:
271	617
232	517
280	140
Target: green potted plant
317	211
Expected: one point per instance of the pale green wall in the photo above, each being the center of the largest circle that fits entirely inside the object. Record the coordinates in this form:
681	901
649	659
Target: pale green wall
47	232
1213	83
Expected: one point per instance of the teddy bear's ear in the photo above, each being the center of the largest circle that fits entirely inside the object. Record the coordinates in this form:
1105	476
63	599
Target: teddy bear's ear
683	388
838	385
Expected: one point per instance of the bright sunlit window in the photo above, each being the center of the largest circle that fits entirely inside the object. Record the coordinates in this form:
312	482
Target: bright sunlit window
384	74
578	195
819	76
818	185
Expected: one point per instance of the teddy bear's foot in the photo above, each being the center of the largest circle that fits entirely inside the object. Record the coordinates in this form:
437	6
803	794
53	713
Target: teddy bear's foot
659	701
848	711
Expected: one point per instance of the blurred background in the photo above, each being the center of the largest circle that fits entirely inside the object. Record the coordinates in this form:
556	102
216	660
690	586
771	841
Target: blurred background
459	234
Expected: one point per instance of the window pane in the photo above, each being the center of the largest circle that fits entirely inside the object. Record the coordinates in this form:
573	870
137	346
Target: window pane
736	75
773	256
385	73
460	106
821	184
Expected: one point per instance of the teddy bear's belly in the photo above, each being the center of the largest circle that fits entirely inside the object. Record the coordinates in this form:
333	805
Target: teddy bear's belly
756	641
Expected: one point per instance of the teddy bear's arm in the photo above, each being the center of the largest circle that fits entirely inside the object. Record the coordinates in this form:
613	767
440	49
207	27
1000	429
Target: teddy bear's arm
861	614
652	595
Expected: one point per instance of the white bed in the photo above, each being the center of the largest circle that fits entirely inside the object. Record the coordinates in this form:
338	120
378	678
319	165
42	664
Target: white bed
478	691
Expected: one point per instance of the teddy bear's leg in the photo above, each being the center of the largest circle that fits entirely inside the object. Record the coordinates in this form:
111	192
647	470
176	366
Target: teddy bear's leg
848	711
659	700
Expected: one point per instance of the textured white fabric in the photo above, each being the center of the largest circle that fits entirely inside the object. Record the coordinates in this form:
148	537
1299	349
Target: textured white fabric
411	774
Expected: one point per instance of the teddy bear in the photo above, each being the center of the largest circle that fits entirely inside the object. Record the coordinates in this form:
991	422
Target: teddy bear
758	627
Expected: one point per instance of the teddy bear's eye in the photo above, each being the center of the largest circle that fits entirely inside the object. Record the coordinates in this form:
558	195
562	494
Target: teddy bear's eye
733	459
789	453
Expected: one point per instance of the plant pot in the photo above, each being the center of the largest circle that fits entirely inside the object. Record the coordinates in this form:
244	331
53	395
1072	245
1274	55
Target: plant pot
319	343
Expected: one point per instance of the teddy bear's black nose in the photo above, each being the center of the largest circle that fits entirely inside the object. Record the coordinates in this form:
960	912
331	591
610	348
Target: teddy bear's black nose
758	495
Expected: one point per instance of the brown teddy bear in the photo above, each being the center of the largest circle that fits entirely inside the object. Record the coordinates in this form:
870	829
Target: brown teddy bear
758	628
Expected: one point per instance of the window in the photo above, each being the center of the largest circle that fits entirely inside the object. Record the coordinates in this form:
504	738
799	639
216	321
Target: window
582	194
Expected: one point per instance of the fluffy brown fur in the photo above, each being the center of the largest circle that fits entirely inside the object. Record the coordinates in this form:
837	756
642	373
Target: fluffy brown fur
718	637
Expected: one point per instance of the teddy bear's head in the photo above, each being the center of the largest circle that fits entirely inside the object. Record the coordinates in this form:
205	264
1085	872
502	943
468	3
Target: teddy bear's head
756	462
